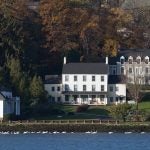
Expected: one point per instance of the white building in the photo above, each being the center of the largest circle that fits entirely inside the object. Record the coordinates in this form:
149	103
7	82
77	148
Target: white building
86	83
134	64
53	85
8	103
116	90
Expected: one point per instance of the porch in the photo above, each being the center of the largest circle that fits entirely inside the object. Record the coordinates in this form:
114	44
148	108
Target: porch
91	98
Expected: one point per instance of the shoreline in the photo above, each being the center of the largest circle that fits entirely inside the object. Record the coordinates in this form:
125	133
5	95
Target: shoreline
74	128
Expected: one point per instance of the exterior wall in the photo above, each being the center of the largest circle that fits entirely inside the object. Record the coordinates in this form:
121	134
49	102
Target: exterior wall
8	106
1	109
88	82
54	94
119	90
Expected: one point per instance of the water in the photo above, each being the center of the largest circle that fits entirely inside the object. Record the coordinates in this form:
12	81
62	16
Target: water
76	141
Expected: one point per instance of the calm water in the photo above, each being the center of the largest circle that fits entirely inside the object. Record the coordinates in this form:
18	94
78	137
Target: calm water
98	141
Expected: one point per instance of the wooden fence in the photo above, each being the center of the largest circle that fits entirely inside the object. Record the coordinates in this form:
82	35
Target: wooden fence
86	121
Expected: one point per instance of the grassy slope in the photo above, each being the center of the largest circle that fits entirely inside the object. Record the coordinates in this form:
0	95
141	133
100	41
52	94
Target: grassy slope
92	113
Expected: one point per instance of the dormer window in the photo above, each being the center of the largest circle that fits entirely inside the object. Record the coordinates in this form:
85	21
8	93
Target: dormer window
130	60
122	59
147	60
138	60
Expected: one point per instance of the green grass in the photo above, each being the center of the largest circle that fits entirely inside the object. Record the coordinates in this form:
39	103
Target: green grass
92	113
145	106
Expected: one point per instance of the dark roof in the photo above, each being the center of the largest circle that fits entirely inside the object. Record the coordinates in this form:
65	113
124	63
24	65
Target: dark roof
129	52
116	79
85	68
55	80
2	97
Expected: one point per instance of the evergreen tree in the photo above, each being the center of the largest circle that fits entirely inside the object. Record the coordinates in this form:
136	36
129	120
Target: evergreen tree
37	90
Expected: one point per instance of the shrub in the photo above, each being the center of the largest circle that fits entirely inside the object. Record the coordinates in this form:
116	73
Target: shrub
70	113
82	108
11	117
147	118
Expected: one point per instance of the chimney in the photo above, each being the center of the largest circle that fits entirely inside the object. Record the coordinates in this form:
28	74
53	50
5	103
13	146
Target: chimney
106	60
65	60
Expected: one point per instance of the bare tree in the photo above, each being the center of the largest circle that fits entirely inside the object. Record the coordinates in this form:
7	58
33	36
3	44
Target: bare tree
135	81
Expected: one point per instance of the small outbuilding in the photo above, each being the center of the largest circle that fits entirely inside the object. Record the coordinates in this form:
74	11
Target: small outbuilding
8	103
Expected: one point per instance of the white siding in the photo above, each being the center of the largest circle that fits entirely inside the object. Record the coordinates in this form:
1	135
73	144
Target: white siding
119	90
1	108
88	82
55	93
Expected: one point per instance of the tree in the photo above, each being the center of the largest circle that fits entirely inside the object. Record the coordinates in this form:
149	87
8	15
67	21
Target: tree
110	48
37	90
134	81
19	33
15	70
120	111
79	26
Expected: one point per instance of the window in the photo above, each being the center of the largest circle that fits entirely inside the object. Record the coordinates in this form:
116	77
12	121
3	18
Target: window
122	70
93	78
75	78
111	88
117	88
53	99
67	98
84	87
58	88
122	60
102	97
130	70
58	99
102	88
117	98
130	60
102	78
93	87
111	99
84	78
66	78
53	88
146	70
66	87
75	88
147	60
138	60
146	80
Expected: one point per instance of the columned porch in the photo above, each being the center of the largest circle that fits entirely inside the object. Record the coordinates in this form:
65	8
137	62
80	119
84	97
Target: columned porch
86	98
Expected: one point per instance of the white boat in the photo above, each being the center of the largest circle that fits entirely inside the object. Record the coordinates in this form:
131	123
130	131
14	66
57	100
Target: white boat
110	132
127	132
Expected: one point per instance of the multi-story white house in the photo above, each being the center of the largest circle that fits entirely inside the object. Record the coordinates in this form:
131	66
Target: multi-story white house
86	83
134	64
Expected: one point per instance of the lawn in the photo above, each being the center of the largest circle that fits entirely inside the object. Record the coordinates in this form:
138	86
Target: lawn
145	106
93	112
